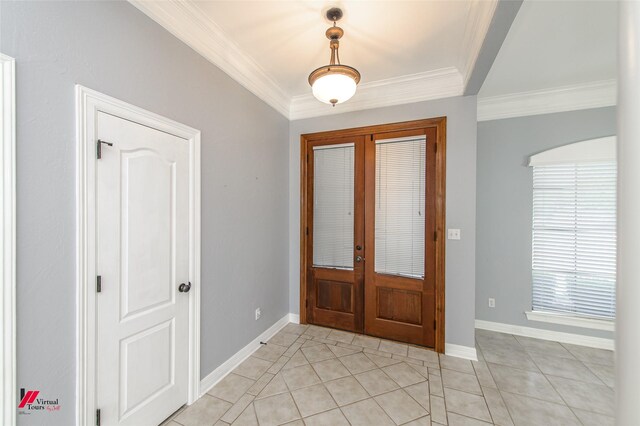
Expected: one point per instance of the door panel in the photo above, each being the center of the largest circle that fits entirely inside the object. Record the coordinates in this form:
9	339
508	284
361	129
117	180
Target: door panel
147	278
143	373
336	228
334	290
142	230
399	305
400	211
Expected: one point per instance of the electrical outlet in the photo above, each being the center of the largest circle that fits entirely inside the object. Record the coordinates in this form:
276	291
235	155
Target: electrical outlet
258	314
453	234
492	302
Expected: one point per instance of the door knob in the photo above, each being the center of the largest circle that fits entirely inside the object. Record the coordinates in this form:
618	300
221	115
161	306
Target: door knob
359	259
184	288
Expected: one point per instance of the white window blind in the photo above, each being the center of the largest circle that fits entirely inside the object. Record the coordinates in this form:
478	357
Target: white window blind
333	200
574	238
400	203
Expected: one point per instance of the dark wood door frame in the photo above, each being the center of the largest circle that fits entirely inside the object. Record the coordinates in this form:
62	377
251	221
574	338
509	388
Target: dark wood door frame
440	124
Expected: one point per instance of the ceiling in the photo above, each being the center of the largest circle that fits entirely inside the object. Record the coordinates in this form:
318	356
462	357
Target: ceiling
406	51
383	39
557	56
556	44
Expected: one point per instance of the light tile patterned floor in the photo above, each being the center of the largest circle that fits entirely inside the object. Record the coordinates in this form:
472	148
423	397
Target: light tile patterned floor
308	375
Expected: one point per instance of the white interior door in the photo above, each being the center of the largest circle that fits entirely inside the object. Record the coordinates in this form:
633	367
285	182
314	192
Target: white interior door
142	257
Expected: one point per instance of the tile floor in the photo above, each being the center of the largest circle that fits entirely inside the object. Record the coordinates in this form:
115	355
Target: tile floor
308	375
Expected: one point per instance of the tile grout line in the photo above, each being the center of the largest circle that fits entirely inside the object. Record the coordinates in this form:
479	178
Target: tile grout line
498	389
325	341
255	414
565	402
597	375
470	393
444	401
394	390
337	405
526	353
538	399
551	383
569	378
574	413
294	403
370	396
483	395
323	384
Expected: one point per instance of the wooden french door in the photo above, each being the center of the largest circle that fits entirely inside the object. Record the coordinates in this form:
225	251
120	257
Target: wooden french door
372	221
400	211
336	213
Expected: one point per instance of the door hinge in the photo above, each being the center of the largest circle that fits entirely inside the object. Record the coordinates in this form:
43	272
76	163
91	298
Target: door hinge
307	158
435	235
306	303
307	231
99	148
436	147
99	284
434	324
98	417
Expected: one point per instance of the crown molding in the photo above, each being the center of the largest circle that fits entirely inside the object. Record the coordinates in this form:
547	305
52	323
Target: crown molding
441	83
186	21
595	94
478	22
189	23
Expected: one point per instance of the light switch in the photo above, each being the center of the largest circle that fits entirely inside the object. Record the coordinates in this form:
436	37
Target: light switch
454	234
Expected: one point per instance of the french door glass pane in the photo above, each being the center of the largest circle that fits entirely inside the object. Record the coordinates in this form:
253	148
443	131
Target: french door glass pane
400	205
333	203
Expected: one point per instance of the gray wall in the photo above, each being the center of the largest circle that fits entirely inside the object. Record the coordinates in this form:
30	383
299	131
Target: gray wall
461	198
504	207
115	49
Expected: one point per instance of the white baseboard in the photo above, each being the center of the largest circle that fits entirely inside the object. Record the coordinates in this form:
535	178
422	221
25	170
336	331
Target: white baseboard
294	318
466	352
219	373
556	336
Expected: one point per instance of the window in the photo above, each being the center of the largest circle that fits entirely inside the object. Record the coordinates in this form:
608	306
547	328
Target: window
574	232
400	204
333	206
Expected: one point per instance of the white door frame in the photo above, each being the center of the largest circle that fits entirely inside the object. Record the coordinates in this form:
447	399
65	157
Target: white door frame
8	246
88	104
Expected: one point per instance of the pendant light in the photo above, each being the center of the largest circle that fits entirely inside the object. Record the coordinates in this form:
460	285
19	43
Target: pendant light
334	83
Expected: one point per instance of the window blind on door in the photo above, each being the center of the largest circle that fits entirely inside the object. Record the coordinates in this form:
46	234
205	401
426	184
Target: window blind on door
333	205
400	206
574	238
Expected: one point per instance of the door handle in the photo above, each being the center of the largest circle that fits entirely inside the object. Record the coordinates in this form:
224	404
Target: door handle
359	259
184	288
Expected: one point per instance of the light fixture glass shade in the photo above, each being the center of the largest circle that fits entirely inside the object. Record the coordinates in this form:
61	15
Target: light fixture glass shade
334	83
334	88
